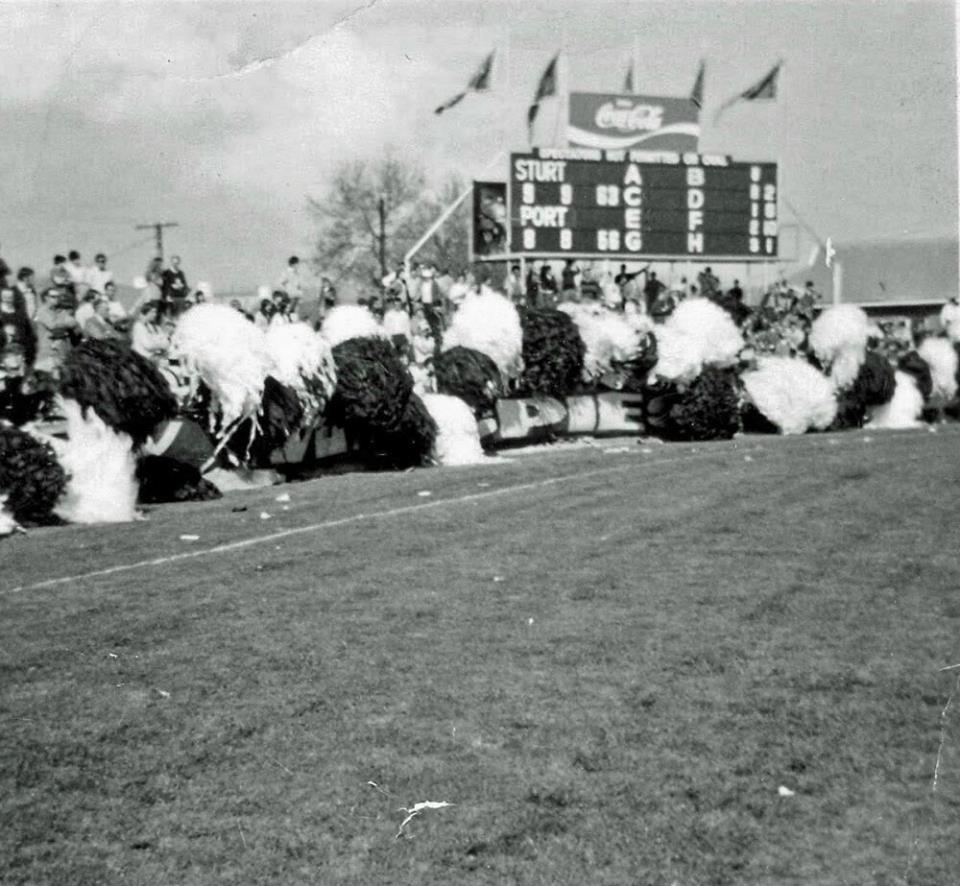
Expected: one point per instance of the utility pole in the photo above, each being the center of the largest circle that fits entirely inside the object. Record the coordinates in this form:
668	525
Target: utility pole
383	238
158	228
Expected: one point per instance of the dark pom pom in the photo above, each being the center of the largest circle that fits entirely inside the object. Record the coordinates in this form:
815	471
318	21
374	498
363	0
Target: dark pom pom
552	353
165	479
471	376
913	364
281	413
126	390
873	386
411	443
373	387
708	409
30	477
638	369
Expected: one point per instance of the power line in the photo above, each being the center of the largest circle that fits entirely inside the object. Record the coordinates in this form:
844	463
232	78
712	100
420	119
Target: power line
158	232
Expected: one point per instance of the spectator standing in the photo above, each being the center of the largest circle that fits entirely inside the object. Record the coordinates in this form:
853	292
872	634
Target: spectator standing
513	285
652	290
709	284
590	290
4	272
548	285
98	275
568	279
173	284
950	318
15	326
77	273
28	293
291	281
56	325
533	288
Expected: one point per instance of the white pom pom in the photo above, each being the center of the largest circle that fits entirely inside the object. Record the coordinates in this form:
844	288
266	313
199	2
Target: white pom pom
904	409
458	439
941	357
101	471
791	394
839	339
350	321
229	353
488	322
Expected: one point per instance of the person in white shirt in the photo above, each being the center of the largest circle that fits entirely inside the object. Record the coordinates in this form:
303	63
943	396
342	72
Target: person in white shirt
116	310
98	276
77	273
148	338
950	319
292	282
25	286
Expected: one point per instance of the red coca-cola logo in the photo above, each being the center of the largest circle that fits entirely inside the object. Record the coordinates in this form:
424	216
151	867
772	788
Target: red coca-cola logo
629	117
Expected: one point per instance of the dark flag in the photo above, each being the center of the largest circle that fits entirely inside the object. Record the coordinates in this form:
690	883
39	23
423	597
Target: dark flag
762	89
628	80
546	87
479	82
696	96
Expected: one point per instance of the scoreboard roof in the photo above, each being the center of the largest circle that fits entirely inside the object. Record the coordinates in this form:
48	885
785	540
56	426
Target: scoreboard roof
641	204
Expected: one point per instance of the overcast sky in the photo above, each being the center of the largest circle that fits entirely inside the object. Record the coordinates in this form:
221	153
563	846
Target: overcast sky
225	116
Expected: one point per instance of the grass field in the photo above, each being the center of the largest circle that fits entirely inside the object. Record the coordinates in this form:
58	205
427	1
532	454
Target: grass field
622	664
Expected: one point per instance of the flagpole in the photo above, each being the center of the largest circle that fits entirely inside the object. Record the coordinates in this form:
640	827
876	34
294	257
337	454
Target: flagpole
636	63
505	132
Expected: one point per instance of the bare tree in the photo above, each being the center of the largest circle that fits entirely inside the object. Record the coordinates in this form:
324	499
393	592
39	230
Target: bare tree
350	240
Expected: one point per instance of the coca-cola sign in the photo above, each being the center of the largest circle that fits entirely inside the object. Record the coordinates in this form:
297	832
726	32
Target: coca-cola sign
628	116
610	121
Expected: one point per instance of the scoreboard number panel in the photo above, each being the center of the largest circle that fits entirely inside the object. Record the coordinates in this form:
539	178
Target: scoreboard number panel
704	207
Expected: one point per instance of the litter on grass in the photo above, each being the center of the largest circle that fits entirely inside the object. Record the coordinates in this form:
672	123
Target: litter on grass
264	515
283	497
784	791
189	538
416	809
425	493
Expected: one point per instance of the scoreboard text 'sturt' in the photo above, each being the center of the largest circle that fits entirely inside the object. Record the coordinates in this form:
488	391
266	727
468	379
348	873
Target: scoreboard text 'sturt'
636	203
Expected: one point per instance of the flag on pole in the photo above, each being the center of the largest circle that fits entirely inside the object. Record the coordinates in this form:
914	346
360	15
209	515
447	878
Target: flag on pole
696	95
479	82
628	79
546	87
762	89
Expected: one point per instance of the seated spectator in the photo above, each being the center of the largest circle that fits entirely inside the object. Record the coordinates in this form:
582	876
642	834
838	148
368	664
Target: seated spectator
281	308
235	304
85	310
148	337
98	325
116	310
23	395
15	325
568	279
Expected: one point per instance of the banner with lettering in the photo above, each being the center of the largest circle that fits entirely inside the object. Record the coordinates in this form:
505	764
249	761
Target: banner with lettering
611	121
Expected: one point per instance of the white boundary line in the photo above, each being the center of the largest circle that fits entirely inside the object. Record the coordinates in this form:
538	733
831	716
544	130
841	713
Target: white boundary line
684	457
356	518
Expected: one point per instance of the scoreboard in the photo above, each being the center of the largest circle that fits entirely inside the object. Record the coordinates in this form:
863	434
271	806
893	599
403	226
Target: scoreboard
623	204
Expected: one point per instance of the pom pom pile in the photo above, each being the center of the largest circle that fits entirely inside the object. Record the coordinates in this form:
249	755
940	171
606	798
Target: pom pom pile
904	409
709	409
941	357
126	390
712	334
410	443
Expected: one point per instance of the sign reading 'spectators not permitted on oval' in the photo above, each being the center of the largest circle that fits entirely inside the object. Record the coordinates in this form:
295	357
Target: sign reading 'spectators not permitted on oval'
644	204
